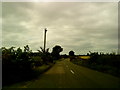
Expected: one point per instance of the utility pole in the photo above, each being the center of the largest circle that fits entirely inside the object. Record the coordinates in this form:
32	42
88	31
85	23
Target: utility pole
45	39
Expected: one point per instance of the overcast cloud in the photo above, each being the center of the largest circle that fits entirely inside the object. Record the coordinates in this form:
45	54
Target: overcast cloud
81	27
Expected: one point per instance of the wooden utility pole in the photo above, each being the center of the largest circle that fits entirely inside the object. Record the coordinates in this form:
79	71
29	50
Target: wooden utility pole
45	39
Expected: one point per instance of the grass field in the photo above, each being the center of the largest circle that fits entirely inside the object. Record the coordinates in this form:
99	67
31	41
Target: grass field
84	57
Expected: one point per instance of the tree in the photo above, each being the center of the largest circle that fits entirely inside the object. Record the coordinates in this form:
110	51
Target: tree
45	55
72	56
26	48
42	51
71	53
56	51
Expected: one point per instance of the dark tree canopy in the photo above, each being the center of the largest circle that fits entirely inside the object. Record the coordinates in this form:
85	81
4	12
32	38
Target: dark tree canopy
56	51
26	48
71	53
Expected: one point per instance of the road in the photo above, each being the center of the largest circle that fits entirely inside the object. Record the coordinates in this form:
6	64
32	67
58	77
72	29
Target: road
65	74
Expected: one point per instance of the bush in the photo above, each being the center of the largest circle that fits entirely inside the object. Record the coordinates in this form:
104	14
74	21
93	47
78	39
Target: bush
107	63
16	65
37	61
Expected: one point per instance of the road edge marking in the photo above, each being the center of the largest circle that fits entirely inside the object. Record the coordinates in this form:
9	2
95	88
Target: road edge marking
72	71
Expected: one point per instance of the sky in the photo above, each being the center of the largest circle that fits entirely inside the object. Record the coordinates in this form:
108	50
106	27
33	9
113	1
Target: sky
77	26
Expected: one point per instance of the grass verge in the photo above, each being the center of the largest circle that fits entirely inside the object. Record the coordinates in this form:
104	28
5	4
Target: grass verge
37	71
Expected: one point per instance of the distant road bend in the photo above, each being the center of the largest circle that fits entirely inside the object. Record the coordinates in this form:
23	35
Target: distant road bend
65	74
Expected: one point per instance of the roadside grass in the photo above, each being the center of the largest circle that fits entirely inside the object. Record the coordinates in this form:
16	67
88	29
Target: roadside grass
43	68
100	79
37	72
105	68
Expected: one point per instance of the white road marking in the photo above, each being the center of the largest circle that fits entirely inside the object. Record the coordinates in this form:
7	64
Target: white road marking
72	71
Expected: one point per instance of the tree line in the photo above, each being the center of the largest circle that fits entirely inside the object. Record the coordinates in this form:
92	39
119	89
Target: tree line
107	63
19	65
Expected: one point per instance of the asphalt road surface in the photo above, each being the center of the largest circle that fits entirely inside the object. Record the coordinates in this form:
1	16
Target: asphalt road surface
65	74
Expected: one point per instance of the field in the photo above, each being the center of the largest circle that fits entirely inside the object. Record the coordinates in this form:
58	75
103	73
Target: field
84	57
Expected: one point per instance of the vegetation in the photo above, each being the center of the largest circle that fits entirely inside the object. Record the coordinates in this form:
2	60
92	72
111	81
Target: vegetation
107	63
56	52
20	65
71	55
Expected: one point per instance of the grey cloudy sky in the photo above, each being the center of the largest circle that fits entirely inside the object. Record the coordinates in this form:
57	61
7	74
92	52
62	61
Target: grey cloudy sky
77	26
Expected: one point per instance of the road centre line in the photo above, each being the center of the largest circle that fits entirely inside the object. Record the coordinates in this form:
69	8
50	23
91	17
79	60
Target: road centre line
72	71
